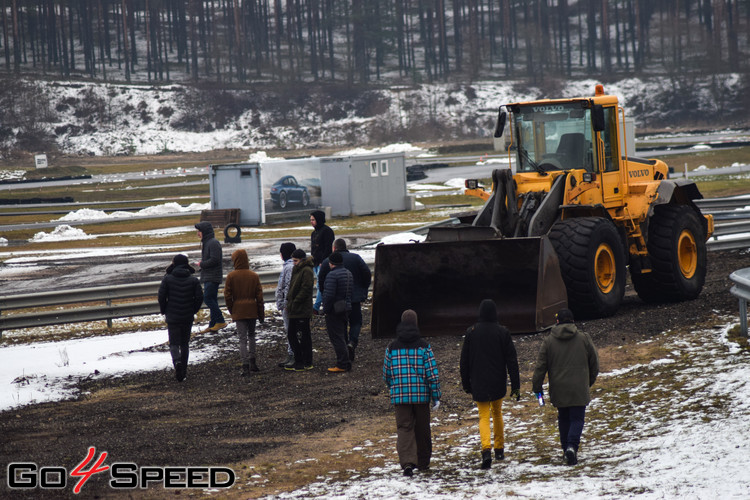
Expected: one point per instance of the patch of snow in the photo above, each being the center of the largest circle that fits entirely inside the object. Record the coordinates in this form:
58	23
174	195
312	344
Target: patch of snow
61	233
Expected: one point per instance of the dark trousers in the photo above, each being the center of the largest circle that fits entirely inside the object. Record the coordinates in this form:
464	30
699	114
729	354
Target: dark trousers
413	436
211	299
336	326
300	340
179	337
570	423
355	323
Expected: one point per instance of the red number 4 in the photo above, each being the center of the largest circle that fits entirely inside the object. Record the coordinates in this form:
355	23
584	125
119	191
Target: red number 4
95	469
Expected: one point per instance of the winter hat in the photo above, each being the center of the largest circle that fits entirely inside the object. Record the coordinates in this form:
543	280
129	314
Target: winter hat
179	260
565	316
336	259
299	254
287	249
488	311
409	317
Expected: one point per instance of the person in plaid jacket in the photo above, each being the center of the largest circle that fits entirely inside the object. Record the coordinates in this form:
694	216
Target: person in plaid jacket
411	374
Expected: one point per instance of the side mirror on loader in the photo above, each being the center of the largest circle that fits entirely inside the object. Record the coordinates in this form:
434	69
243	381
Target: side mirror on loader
500	126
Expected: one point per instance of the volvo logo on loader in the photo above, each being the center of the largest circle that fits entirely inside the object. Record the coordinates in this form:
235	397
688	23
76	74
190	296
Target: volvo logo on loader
639	173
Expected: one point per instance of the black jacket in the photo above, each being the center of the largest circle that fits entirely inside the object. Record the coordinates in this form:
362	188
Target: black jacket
180	295
488	356
360	272
339	284
321	239
211	256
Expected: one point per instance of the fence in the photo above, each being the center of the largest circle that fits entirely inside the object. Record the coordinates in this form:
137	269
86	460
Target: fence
729	216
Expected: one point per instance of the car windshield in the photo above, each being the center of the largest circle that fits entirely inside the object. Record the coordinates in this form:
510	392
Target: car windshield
553	137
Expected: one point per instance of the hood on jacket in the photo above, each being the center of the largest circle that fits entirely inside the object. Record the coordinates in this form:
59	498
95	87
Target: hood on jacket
408	333
240	259
564	331
206	228
487	311
306	262
180	261
320	218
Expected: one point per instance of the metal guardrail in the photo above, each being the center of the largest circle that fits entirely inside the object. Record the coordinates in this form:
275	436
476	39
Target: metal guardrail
730	218
741	290
97	294
108	312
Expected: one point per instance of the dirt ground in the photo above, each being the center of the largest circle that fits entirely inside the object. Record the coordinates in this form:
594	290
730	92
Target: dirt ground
261	424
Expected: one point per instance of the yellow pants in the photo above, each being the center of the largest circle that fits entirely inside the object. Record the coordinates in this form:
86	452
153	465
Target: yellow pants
495	409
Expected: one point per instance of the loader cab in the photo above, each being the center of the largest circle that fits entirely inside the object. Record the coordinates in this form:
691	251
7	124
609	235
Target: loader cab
553	136
563	136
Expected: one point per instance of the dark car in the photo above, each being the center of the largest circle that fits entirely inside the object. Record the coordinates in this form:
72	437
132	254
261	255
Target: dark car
286	190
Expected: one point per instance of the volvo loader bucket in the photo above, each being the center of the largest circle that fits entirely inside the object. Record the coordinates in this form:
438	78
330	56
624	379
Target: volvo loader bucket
445	281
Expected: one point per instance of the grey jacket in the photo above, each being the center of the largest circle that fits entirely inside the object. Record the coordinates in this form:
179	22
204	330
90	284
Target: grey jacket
570	358
282	289
211	256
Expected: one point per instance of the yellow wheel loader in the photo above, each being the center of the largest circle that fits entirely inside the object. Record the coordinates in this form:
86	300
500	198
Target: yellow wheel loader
558	233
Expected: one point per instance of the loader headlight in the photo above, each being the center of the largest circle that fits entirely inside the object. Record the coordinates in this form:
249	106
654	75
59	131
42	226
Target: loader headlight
471	183
589	177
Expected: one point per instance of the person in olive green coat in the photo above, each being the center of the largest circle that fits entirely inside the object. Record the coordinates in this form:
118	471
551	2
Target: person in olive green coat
570	358
299	306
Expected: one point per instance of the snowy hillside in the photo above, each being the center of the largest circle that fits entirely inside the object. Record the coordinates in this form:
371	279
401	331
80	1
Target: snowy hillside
111	119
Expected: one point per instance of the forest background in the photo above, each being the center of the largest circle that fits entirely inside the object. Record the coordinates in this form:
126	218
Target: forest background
349	58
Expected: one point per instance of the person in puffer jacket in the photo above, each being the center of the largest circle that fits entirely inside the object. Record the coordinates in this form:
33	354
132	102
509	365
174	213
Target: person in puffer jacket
411	374
337	293
243	295
180	297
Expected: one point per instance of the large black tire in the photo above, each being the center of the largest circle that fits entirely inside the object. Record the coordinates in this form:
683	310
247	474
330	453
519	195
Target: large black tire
677	250
592	264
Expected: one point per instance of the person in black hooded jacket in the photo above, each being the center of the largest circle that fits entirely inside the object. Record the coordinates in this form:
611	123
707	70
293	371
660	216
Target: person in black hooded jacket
321	246
180	297
488	356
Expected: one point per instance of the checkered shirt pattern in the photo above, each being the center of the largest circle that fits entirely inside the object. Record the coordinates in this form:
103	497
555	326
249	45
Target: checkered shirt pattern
411	375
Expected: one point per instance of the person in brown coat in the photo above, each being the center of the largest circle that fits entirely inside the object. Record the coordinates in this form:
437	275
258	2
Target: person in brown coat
243	295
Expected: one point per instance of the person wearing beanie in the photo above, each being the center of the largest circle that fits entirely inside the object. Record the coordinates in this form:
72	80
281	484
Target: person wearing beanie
299	309
180	297
411	374
321	241
243	295
282	290
488	357
362	278
211	273
337	303
572	362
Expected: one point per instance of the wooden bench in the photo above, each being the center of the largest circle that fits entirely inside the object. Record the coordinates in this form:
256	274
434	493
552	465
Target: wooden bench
221	217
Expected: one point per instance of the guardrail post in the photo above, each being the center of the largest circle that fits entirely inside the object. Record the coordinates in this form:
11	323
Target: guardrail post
743	316
109	320
741	290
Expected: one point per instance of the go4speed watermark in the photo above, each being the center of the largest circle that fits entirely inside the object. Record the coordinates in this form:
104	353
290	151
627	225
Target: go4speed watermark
122	475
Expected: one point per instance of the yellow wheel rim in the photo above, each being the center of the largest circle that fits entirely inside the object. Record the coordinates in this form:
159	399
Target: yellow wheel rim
687	254
604	268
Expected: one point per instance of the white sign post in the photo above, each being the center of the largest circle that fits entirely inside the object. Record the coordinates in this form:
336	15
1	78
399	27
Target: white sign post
40	161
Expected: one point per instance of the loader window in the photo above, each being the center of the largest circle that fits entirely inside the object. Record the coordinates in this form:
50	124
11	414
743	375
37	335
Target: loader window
609	139
553	137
